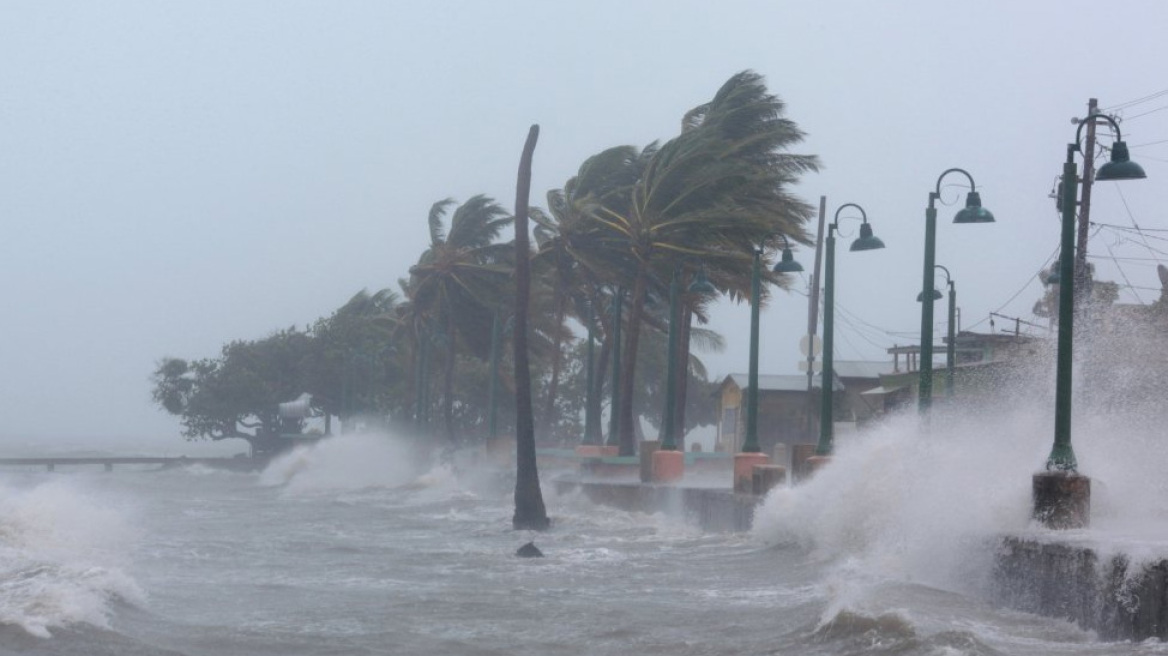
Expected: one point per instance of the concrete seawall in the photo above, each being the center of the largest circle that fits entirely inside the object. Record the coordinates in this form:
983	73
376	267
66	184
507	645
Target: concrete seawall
712	509
1105	594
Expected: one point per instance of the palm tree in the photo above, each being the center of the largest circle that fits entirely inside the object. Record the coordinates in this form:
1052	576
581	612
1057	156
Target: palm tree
530	512
353	359
714	193
457	281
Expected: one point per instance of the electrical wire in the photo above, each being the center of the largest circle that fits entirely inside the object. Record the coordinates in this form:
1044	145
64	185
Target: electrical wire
1150	143
1150	111
1137	101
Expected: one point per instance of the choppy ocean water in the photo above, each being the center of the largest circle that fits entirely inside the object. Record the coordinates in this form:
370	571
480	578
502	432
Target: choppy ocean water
350	548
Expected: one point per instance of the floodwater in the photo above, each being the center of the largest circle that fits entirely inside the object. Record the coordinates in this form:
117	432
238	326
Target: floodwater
348	548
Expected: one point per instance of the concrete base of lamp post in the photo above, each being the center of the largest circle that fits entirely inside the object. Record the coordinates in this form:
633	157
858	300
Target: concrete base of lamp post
668	466
767	477
1062	500
744	470
815	463
645	453
799	455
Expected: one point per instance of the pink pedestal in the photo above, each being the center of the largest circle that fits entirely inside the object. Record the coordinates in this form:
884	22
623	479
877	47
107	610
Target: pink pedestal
668	466
744	470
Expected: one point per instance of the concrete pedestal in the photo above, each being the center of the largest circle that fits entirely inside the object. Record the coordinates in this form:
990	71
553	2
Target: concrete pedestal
744	470
815	463
668	466
1062	500
766	477
648	448
799	455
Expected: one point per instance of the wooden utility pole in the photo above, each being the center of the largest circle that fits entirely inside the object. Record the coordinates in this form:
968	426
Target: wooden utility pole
813	322
1082	277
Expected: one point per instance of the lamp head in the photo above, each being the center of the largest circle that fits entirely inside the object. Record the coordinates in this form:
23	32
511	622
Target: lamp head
1120	167
787	264
866	241
701	284
936	296
1054	277
973	212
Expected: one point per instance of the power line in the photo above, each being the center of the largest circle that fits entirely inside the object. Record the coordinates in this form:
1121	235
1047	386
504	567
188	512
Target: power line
1137	101
1150	143
1114	226
1150	111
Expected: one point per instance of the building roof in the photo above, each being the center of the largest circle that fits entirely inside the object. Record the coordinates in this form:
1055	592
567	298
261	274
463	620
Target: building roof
773	383
861	368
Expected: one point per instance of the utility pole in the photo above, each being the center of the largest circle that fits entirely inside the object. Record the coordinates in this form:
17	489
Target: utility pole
813	320
1082	277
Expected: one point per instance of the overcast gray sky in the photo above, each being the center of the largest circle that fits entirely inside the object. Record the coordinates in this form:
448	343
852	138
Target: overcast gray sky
174	175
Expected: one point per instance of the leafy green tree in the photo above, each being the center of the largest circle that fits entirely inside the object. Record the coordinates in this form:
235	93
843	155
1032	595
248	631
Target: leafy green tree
239	391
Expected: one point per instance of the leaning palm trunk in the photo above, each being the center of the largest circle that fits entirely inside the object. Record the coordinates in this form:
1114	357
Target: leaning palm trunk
529	508
626	426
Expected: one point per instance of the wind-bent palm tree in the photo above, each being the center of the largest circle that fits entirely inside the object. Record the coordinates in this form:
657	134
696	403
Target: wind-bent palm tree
458	280
530	512
714	193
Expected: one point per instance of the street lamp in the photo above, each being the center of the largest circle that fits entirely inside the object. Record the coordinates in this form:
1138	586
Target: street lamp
786	264
865	242
951	353
493	387
668	462
751	453
1062	497
618	299
592	436
973	212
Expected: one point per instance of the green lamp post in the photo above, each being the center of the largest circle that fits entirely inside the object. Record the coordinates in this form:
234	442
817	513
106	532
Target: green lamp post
700	285
865	242
1062	497
786	264
591	421
1062	456
951	350
493	386
973	212
618	299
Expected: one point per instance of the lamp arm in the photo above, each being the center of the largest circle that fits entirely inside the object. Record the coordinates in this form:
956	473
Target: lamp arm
835	219
1079	130
948	278
972	186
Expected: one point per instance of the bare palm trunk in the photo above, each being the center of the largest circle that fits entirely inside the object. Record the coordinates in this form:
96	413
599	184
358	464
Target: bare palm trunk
628	439
530	512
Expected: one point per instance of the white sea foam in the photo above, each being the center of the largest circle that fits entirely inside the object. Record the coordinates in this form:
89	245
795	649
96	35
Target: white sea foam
350	462
62	554
925	501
